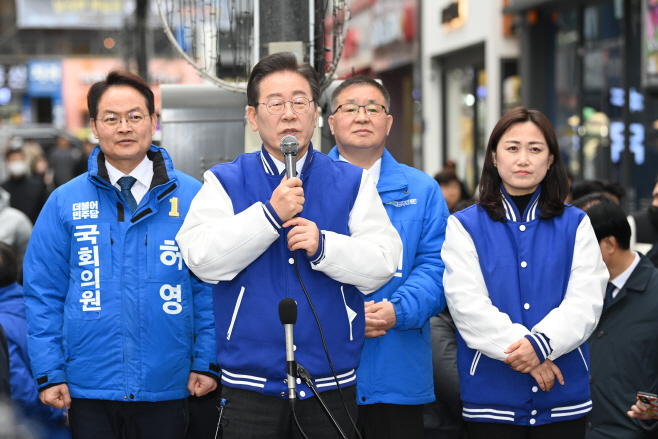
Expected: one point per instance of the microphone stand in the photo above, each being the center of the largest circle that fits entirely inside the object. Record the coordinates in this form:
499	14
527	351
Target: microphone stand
306	377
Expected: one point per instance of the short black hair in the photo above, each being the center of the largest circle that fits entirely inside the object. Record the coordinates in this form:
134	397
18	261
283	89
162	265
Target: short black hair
607	217
359	80
13	151
280	62
118	78
444	177
8	265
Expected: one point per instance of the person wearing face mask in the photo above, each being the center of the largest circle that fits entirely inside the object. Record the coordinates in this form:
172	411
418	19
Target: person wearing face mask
644	225
28	193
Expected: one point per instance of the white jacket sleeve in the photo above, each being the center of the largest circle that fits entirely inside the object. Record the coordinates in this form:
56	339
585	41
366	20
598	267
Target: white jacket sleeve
217	244
570	324
482	326
369	257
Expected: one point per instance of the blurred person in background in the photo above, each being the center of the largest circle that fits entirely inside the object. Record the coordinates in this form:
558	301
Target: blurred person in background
44	421
41	169
63	159
524	281
397	314
15	228
82	166
443	417
623	347
612	190
644	225
28	193
451	188
32	150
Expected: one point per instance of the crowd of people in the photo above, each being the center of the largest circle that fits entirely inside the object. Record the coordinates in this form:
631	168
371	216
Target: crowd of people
150	305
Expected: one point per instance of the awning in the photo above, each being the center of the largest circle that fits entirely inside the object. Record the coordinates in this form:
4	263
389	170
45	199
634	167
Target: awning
523	5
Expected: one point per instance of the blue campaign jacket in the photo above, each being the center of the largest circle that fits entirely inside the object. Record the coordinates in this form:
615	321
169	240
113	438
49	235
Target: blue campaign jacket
526	263
23	390
112	309
250	337
397	367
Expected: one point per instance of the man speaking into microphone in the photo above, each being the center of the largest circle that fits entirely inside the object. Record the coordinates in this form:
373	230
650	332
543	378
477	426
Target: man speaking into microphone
255	234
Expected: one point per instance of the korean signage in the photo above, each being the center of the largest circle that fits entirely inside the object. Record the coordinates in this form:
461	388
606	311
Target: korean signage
79	14
650	44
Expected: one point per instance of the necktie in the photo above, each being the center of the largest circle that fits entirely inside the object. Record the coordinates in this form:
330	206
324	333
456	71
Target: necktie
608	295
126	183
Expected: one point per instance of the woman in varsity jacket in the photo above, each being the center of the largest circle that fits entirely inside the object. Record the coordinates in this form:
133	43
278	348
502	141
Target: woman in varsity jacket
524	281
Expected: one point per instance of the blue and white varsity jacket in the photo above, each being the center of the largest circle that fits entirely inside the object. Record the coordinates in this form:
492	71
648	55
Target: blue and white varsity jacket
414	202
525	277
234	239
112	310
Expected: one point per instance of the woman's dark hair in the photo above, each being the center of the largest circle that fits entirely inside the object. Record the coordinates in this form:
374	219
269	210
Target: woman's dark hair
118	78
608	218
554	187
280	62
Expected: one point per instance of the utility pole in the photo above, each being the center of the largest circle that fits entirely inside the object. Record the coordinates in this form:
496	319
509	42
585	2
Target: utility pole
140	41
286	24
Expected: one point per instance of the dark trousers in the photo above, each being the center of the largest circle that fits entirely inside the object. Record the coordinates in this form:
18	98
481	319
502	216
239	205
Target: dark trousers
557	430
391	421
204	415
97	418
250	415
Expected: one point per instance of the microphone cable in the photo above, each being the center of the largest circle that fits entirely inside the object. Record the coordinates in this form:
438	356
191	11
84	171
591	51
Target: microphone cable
324	344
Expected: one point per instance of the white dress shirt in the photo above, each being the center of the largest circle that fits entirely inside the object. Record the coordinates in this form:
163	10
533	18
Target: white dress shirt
374	170
280	166
620	280
143	173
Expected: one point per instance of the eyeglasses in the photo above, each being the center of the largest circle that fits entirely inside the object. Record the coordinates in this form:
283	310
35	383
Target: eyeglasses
299	105
372	110
134	119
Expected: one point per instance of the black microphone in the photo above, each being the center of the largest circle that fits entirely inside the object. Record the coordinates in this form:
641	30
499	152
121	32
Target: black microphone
289	147
288	316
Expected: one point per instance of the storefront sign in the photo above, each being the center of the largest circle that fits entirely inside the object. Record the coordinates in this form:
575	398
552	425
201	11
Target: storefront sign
650	44
79	14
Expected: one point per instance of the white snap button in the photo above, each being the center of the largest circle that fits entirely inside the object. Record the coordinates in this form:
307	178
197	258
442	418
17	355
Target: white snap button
291	261
526	306
299	381
535	388
533	413
532	421
524	264
294	347
302	394
522	228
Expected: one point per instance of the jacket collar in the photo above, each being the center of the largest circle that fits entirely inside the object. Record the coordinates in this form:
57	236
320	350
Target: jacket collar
393	184
638	280
531	213
163	168
270	168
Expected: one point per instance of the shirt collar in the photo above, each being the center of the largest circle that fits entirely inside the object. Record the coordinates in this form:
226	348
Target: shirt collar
620	280
142	173
375	170
273	166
